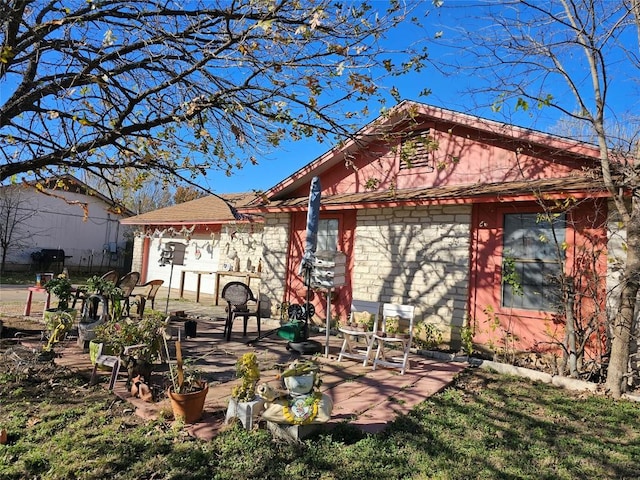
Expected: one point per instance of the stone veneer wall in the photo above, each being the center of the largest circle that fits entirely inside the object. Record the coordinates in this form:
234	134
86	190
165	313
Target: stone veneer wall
136	261
275	240
418	256
243	242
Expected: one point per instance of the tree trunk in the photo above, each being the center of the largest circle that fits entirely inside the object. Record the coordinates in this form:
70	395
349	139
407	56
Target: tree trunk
623	322
571	328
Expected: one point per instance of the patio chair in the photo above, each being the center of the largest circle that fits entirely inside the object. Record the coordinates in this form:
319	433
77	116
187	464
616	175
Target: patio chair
238	295
110	361
362	311
82	293
127	284
151	289
387	340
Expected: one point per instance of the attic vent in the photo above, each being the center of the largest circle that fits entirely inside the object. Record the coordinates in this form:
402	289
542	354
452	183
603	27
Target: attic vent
416	151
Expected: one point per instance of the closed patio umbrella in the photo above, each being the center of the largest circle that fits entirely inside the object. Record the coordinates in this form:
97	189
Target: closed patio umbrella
313	218
306	266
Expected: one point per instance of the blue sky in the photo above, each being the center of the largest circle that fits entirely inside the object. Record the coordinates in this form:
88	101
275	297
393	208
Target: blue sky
446	93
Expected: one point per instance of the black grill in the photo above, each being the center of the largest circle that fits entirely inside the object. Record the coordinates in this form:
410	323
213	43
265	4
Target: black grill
45	258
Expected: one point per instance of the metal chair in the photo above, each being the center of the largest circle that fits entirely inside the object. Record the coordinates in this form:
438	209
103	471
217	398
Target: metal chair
387	340
237	296
351	335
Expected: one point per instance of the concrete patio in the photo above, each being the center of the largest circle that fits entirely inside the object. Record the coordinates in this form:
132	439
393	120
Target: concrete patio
363	397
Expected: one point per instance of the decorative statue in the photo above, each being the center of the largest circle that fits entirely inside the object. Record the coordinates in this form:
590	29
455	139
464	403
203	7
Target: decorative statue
303	403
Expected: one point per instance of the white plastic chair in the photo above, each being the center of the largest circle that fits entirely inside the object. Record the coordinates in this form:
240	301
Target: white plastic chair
95	312
387	343
350	348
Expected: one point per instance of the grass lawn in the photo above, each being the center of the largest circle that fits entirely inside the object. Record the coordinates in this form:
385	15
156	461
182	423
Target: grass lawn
486	426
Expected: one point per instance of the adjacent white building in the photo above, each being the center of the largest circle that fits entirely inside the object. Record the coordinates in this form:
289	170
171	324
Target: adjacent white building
66	215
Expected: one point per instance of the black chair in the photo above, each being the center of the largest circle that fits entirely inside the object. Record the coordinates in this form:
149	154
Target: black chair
238	295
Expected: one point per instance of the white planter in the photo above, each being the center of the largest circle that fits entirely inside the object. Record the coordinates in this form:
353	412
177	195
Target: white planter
301	384
247	412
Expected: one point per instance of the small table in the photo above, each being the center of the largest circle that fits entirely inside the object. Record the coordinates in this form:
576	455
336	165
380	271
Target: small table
199	273
27	306
246	275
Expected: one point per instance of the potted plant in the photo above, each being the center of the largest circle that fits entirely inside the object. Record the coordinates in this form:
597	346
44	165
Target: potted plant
244	403
363	321
109	290
146	334
58	321
391	326
188	390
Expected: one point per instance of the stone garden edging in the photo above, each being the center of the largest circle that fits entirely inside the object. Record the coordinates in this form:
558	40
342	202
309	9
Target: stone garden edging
535	375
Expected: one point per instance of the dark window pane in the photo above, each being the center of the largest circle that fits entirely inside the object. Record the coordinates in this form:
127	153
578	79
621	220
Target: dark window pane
530	249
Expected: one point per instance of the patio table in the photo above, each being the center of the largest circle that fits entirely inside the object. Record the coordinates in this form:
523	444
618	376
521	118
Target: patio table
31	290
199	273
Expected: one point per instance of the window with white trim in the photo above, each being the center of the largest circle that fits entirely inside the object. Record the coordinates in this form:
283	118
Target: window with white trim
328	234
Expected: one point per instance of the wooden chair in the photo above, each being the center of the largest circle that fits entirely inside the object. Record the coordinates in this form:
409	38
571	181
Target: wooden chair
238	295
385	341
350	335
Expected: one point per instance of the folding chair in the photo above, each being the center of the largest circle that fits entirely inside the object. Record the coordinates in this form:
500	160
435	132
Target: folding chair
387	340
351	336
111	361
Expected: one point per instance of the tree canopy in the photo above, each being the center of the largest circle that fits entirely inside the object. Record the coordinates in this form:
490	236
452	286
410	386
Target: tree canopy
576	57
179	88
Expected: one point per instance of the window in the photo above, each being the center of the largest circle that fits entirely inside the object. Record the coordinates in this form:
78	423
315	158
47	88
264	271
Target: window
328	234
530	266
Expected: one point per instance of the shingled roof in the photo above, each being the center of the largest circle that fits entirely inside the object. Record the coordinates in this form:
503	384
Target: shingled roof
580	186
212	209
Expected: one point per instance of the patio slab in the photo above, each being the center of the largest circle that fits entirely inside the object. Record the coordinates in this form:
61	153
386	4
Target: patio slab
363	397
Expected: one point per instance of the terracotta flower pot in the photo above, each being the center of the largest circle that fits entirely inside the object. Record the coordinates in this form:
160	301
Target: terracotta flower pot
188	407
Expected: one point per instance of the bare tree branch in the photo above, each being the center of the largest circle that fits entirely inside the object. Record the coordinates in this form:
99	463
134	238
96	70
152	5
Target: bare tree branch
179	89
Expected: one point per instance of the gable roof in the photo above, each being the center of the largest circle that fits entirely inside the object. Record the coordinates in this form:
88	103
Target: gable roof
401	117
69	183
212	209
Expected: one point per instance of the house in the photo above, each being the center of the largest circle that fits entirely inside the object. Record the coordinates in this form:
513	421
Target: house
463	217
63	217
207	235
